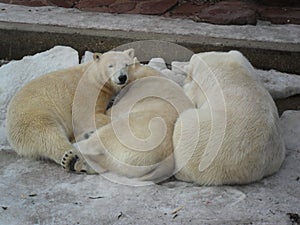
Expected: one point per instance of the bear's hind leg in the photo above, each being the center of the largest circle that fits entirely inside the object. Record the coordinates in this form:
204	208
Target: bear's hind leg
64	153
50	142
38	137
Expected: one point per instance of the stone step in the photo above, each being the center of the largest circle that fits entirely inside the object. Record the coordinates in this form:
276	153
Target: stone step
28	30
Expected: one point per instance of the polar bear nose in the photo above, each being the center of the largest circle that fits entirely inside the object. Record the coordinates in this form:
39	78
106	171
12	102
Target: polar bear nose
122	79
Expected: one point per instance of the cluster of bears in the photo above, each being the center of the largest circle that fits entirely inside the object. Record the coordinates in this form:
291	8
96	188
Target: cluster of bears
221	127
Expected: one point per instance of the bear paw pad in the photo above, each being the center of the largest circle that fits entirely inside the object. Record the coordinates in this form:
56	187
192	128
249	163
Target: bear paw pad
72	161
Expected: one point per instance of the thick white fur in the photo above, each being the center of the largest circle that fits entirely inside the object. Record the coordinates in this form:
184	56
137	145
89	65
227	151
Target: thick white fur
39	117
233	136
138	141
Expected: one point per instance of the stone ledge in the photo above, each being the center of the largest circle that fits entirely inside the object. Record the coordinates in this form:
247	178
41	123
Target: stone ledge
266	46
211	11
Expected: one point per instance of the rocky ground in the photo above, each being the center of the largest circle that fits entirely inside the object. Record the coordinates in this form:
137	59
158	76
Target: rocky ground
210	11
39	192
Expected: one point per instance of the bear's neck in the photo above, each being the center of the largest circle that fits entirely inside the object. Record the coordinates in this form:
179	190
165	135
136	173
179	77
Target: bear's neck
106	92
104	97
96	89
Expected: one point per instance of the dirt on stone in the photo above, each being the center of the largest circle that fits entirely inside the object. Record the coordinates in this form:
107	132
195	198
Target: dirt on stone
224	12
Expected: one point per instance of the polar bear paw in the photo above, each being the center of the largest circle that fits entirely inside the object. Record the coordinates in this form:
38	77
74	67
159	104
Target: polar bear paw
88	134
73	161
84	136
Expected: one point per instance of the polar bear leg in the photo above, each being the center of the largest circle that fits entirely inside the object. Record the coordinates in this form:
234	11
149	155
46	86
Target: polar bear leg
110	149
42	139
40	136
73	161
100	121
163	171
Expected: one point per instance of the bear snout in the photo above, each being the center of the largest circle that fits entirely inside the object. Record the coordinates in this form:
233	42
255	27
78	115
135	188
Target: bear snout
122	78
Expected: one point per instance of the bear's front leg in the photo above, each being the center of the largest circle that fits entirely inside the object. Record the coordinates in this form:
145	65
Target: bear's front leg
84	136
100	121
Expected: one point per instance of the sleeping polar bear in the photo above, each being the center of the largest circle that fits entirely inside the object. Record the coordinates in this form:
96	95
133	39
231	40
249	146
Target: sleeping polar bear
39	118
138	141
233	136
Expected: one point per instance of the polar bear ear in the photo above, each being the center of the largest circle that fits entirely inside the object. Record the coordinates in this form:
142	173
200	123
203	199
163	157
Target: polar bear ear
129	52
136	61
96	56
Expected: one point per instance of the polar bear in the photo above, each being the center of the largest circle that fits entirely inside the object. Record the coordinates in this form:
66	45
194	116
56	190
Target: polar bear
138	141
39	118
233	136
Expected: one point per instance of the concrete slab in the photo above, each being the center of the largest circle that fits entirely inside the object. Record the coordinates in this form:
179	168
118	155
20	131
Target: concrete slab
280	85
267	46
74	18
290	124
36	192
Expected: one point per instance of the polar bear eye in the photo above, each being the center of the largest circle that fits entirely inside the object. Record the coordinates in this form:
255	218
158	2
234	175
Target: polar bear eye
110	66
126	65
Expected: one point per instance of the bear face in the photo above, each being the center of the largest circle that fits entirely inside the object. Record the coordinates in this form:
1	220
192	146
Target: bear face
113	67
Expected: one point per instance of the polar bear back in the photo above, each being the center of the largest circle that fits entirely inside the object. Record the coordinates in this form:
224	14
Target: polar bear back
235	125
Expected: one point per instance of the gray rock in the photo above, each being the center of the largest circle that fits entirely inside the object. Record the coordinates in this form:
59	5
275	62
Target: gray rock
179	67
3	137
37	192
2	62
176	77
290	128
16	74
87	57
157	63
280	85
176	74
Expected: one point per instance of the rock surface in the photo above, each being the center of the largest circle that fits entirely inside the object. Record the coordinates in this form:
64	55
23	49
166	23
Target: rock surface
157	63
179	67
176	74
16	74
280	85
87	57
223	12
37	192
215	12
290	126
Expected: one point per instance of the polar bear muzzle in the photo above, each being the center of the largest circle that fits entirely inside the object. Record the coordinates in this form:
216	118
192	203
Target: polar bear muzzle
122	79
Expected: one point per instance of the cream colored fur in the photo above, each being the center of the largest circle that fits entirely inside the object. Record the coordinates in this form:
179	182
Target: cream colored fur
233	136
138	141
39	117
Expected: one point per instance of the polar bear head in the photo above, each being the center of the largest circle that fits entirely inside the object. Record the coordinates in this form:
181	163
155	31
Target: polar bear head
138	71
113	67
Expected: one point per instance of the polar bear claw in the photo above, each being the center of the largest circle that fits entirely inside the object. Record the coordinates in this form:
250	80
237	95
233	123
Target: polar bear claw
73	161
